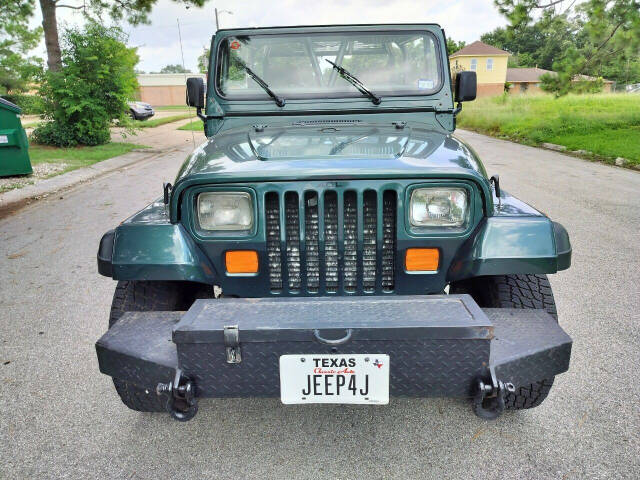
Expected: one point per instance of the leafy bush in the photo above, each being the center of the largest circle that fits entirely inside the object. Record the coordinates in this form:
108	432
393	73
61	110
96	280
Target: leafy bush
91	90
66	135
30	104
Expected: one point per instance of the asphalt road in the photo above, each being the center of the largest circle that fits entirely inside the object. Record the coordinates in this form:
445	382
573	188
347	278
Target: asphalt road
62	419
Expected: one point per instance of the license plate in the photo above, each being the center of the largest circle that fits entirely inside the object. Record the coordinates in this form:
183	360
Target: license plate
358	378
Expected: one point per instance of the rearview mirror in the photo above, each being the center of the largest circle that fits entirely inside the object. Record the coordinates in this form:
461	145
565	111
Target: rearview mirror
195	92
466	86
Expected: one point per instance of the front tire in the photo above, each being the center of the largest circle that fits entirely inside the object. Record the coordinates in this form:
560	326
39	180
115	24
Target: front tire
141	296
514	291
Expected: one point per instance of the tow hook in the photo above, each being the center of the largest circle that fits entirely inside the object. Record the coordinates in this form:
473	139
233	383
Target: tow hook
181	401
488	400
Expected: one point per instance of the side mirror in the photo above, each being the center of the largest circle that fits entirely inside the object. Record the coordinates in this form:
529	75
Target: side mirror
195	92
466	86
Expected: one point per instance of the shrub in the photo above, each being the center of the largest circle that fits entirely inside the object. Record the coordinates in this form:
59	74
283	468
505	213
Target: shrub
83	99
30	104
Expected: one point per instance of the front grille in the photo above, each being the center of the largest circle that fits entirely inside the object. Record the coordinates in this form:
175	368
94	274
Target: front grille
333	242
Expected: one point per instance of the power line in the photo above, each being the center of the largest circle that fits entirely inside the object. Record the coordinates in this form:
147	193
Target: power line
193	138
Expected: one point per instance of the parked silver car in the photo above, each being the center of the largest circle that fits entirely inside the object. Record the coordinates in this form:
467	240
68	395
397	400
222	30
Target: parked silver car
140	110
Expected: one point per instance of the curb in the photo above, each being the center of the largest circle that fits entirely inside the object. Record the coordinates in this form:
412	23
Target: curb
14	200
562	150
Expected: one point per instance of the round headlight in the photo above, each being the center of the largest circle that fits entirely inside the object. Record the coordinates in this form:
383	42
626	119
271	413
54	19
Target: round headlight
438	207
225	211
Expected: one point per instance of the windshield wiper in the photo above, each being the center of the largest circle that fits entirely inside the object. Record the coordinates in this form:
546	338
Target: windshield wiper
278	99
356	83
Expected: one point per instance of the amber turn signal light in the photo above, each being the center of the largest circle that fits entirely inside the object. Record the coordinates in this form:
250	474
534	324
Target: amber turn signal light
241	261
422	259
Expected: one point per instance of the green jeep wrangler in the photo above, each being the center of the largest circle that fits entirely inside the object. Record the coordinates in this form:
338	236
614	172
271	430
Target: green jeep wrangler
332	241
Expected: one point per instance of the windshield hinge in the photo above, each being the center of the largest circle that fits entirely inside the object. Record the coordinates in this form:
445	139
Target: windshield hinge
166	192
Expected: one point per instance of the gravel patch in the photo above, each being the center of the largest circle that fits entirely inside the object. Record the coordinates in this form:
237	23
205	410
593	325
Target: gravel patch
40	171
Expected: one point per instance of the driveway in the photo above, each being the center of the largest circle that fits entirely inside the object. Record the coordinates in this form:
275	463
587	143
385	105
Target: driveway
62	419
163	137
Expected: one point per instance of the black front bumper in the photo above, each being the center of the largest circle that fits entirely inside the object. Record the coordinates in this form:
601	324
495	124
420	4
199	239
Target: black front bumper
438	345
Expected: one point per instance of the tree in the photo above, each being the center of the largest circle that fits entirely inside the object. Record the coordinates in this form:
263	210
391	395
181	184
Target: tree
453	46
537	44
91	88
607	29
134	11
17	68
175	68
203	61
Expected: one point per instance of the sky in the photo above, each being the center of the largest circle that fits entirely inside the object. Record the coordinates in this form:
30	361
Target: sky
159	43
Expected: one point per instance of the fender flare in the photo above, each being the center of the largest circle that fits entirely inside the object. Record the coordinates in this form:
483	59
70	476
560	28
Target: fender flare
148	247
512	245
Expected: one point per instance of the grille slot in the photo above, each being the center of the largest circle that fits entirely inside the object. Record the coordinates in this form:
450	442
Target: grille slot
292	230
369	243
274	254
350	254
388	239
331	241
312	241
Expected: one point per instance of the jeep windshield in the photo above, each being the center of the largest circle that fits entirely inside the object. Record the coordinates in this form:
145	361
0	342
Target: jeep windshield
294	65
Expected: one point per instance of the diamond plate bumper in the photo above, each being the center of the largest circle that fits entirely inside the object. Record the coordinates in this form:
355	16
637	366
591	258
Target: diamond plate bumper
438	345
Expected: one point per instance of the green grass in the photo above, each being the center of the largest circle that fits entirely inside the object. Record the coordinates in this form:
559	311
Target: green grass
156	122
608	125
30	125
193	125
171	107
78	157
66	159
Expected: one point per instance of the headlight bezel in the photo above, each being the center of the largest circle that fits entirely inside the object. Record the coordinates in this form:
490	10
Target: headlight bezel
472	199
244	196
202	234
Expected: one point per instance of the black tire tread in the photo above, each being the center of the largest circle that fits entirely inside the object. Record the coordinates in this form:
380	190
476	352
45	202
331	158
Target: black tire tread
523	291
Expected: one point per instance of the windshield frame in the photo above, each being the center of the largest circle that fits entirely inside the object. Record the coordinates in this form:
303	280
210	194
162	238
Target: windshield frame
330	95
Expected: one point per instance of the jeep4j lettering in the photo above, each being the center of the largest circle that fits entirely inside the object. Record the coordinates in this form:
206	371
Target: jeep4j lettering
332	241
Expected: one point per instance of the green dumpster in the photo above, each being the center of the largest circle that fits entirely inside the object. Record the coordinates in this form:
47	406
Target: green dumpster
14	147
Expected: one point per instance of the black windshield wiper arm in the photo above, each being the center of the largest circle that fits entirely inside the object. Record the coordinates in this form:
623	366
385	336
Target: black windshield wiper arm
356	83
278	99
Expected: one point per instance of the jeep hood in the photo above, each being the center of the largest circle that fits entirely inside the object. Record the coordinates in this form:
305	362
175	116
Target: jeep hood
301	151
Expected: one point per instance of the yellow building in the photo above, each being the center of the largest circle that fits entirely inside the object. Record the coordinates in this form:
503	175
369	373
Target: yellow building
489	63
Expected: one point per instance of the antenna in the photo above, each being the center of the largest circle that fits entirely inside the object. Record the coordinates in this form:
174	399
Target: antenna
193	138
